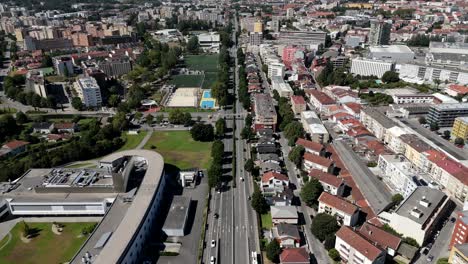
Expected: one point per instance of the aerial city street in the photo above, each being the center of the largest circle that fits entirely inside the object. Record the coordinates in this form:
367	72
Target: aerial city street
234	132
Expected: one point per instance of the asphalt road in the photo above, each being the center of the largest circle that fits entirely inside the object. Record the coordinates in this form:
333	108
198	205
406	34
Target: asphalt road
315	246
374	190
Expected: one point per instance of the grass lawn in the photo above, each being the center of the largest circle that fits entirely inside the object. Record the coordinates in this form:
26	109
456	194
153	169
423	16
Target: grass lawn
187	80
204	62
132	141
82	165
266	221
179	149
46	247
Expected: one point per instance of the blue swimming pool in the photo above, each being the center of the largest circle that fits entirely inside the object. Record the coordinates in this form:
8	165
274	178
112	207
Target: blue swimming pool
207	104
207	94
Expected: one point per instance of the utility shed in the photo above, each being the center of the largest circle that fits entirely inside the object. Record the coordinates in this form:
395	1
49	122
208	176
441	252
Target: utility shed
177	218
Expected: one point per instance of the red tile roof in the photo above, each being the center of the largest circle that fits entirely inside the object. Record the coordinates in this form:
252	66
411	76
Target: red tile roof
323	98
317	159
460	89
452	167
338	203
294	255
298	99
15	144
355	107
326	177
271	174
359	243
382	238
67	125
309	144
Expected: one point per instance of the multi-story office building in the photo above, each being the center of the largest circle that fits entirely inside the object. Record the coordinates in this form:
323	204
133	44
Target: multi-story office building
412	98
444	114
414	72
379	33
395	53
460	128
89	92
370	67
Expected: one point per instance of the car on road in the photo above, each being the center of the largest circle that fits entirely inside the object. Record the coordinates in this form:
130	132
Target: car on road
200	174
213	243
430	258
212	260
216	215
242	178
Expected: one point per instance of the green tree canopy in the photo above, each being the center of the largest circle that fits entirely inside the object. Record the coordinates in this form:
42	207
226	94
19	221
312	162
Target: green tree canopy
202	132
258	202
273	251
295	155
311	191
323	225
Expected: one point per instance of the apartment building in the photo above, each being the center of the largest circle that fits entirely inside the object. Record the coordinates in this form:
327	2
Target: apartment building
459	254
397	173
415	72
393	140
379	33
354	248
376	121
312	161
35	83
444	114
460	230
345	212
319	100
89	92
460	128
414	147
283	88
63	65
276	69
395	53
311	146
419	214
265	113
298	104
332	184
314	127
448	173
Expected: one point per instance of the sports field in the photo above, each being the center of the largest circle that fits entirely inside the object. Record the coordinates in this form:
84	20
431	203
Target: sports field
179	149
187	80
204	62
45	246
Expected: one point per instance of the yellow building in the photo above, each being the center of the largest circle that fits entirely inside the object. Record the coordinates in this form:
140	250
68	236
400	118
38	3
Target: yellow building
19	34
359	5
460	128
258	27
414	148
459	254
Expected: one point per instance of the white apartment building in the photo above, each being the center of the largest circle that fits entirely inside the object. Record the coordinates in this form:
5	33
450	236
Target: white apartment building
369	67
283	88
89	92
345	212
276	69
314	127
354	248
393	140
398	174
412	98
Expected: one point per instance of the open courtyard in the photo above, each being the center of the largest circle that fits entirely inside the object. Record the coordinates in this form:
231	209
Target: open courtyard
44	246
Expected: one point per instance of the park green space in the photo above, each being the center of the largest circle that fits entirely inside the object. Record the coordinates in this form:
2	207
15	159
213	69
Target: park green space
210	79
45	246
204	62
132	141
180	150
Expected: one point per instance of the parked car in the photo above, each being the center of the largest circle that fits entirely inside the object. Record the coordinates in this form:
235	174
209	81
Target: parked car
430	258
213	243
212	260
